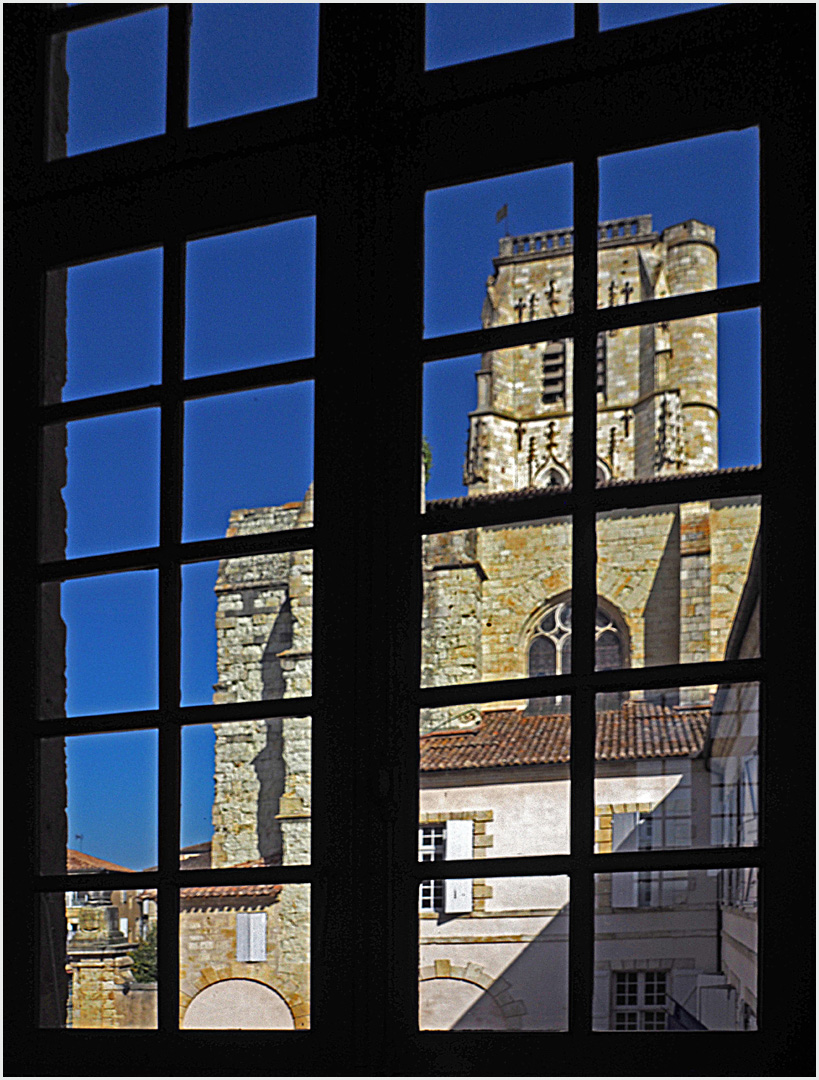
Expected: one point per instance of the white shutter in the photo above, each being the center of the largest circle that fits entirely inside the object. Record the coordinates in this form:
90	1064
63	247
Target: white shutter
624	838
242	935
123	926
251	936
458	845
258	935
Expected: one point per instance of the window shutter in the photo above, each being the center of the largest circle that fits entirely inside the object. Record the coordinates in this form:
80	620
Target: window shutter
251	936
242	936
458	845
258	935
624	838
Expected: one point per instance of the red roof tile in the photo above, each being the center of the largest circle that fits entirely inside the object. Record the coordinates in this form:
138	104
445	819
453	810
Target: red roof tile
639	730
78	862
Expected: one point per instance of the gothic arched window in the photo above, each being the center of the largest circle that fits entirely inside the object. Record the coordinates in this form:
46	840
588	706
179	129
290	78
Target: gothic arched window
550	653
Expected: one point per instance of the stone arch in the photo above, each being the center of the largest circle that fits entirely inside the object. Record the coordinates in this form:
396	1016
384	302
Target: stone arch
495	993
552	474
297	1013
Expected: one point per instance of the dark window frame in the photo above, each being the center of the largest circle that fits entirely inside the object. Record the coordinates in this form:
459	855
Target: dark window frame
364	152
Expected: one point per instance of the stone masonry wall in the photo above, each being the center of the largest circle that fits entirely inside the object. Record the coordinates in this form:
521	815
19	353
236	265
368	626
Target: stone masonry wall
261	806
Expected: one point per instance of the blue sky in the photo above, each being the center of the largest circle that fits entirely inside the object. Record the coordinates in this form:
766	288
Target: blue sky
250	300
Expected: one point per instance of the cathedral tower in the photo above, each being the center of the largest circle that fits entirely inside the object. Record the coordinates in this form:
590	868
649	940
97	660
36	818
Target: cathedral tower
657	384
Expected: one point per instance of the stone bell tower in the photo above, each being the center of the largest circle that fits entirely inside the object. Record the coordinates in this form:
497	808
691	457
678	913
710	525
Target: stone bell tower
656	385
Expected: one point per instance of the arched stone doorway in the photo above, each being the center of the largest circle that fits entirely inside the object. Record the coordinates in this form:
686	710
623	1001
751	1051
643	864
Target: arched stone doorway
238	1003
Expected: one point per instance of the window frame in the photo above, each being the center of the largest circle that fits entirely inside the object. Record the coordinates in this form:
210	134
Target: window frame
365	881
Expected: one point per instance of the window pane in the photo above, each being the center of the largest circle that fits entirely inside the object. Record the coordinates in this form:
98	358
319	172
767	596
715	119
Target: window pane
467	232
679	583
676	950
244	956
679	397
98	959
519	430
613	15
246	793
111	802
250	297
247	624
116	80
112	494
106	317
486	592
111	649
494	780
501	963
691	202
677	768
460	32
246	57
250	450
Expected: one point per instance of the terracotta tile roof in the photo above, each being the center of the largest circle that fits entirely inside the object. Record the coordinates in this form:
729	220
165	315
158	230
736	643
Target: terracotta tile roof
637	731
78	862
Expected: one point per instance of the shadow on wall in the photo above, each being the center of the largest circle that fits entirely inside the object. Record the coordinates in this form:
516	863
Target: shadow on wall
281	638
662	611
269	766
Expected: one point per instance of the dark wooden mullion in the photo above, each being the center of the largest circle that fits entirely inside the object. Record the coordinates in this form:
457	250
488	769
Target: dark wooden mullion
176	104
170	597
586	22
454	514
619	862
667	309
584	593
669	676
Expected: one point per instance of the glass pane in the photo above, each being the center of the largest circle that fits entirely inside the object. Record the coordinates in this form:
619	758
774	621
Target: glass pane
112	493
679	397
486	592
246	793
109	638
116	81
467	236
246	57
677	768
244	956
679	583
253	450
669	213
109	807
519	430
676	950
460	32
250	297
613	15
106	318
98	959
495	956
494	780
247	625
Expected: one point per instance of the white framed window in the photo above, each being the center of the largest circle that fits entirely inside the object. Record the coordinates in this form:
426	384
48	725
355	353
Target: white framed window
639	1001
448	840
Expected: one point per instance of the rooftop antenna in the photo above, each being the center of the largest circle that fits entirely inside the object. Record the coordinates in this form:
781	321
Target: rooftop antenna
79	836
